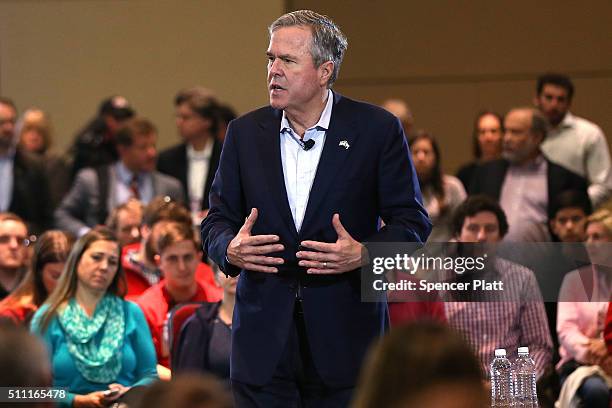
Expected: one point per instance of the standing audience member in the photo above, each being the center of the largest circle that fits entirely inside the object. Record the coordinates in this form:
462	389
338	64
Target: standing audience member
50	254
204	342
178	258
573	142
487	144
24	188
583	305
524	181
225	115
13	252
97	340
95	144
125	221
35	136
194	161
96	191
442	193
421	365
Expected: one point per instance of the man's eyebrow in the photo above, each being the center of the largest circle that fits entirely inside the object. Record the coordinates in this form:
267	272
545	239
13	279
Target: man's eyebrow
281	56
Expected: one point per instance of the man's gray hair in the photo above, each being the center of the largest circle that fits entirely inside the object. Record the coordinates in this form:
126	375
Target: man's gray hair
328	42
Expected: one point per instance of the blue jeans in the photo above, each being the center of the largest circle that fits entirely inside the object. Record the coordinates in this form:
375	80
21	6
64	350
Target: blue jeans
594	392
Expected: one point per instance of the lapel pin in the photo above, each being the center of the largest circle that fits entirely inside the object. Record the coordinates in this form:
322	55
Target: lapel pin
344	144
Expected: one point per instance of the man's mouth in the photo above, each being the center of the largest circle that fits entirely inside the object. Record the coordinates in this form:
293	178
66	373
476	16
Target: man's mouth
275	87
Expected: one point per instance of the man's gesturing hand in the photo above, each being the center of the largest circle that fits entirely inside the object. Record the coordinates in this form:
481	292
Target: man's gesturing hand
249	252
342	256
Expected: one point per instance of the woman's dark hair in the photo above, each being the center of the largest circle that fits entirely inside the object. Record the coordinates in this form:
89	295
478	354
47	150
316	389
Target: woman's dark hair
67	284
412	359
476	146
472	206
435	177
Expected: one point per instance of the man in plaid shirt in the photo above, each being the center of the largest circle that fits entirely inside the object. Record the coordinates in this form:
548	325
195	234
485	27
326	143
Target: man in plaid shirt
509	319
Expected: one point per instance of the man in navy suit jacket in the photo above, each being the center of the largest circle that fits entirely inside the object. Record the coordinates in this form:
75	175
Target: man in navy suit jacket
313	172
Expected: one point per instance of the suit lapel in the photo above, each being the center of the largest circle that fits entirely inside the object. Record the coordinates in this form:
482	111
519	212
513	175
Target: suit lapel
338	141
270	156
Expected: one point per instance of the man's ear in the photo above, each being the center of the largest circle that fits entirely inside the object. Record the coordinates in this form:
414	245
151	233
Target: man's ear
325	71
552	225
157	259
536	101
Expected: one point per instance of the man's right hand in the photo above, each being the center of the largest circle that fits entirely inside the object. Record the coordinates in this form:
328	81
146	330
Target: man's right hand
249	252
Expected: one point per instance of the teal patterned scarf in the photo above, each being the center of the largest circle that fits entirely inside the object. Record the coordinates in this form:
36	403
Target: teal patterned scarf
98	362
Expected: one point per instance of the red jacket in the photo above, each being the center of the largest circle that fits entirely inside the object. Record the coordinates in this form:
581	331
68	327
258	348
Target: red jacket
608	328
155	303
137	283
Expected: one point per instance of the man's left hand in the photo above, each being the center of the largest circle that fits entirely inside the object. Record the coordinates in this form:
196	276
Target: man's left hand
331	258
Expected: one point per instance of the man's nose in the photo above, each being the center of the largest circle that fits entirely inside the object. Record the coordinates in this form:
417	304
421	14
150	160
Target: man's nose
274	67
135	232
482	235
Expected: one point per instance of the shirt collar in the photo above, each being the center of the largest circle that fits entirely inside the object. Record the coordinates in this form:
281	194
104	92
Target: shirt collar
324	120
568	121
205	154
123	173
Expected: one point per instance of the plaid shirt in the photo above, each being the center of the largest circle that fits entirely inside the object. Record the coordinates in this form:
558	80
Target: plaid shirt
518	322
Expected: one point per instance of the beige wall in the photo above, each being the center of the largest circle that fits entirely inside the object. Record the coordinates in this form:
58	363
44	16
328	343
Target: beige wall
65	56
450	59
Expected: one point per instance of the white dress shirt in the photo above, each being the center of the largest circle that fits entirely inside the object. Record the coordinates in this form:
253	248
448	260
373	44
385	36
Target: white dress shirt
299	165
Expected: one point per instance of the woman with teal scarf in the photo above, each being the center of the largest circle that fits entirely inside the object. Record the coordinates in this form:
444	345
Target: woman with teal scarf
97	340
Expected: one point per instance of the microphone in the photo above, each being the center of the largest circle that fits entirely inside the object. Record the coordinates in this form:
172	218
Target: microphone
308	144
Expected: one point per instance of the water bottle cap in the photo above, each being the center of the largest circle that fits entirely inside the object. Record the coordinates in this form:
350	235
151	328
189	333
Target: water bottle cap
523	350
500	352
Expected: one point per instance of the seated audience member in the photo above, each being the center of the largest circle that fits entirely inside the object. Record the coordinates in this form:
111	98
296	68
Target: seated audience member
442	193
569	211
13	252
97	340
524	181
583	305
138	260
35	137
24	362
24	186
204	343
125	222
510	318
421	365
608	329
50	254
487	144
178	257
96	191
573	142
402	111
95	145
187	391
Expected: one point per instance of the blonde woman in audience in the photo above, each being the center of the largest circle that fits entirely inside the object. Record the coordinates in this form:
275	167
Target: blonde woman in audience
50	254
442	193
99	343
583	305
36	137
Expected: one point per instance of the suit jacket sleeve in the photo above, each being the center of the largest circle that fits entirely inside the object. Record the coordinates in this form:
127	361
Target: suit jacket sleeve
226	207
399	194
71	213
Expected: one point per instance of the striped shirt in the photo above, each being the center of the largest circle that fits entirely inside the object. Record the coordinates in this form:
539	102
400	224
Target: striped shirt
518	320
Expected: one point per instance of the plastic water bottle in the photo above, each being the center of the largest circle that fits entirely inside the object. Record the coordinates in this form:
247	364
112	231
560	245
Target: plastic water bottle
524	372
502	387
